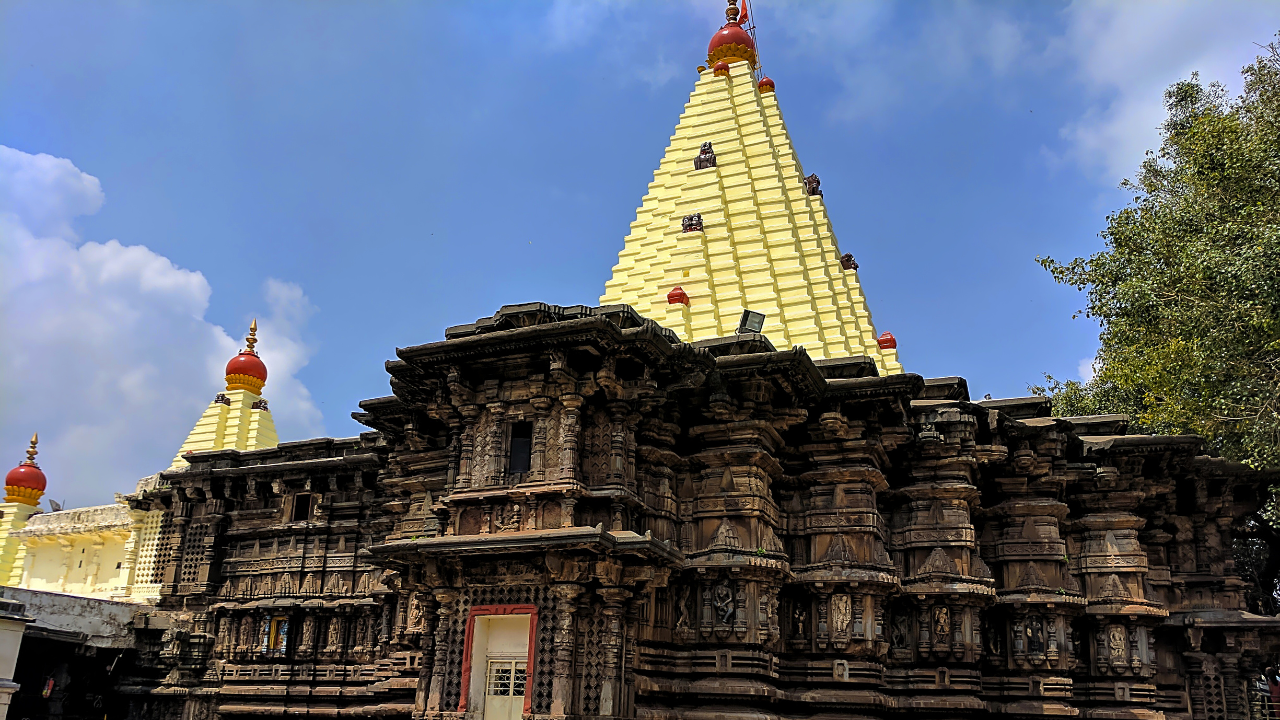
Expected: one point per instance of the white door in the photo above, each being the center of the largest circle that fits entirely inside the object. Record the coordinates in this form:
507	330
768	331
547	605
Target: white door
504	688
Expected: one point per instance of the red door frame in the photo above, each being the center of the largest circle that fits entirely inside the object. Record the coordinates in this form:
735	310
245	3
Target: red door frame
532	612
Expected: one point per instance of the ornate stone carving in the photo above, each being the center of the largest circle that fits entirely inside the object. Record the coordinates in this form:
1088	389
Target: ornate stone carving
706	157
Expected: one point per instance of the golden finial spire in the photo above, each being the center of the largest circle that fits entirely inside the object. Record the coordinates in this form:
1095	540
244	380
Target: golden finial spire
731	12
253	336
31	451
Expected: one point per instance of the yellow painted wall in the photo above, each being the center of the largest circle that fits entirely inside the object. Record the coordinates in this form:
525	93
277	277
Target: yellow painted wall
766	244
235	425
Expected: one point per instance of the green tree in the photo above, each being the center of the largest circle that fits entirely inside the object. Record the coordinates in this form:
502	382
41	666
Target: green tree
1187	293
1187	289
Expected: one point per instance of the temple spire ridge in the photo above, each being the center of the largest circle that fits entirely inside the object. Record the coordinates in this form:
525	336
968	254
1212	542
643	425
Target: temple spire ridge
732	221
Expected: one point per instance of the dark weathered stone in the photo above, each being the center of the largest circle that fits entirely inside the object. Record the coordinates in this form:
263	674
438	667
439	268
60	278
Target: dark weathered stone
720	528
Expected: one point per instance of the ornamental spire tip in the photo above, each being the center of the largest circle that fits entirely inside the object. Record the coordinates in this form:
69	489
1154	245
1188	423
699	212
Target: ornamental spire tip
31	451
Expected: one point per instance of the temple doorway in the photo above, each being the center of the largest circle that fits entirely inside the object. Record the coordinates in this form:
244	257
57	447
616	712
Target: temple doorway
500	666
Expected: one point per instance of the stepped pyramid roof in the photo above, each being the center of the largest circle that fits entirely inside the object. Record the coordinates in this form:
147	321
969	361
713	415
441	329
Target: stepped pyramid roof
237	419
746	232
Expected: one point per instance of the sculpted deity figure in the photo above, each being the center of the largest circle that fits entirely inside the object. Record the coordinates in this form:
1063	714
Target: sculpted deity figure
682	608
941	624
335	632
799	620
706	158
1035	636
813	186
841	613
246	632
415	611
900	631
722	600
308	631
1117	643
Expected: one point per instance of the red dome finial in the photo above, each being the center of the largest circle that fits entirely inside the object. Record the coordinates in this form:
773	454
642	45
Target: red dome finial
26	483
731	43
246	371
766	85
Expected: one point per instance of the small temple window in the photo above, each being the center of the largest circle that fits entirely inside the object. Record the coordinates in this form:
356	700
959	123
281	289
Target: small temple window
302	503
521	447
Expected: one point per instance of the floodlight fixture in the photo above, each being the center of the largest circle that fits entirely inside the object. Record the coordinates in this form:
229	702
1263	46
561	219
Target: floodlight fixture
751	322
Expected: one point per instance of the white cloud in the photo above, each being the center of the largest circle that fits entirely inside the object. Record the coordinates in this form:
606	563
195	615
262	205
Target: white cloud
107	352
1126	54
1085	369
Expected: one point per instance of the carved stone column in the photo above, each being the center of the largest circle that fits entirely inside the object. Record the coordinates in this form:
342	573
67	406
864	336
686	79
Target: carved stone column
563	642
430	657
537	466
448	599
467	445
570	426
612	641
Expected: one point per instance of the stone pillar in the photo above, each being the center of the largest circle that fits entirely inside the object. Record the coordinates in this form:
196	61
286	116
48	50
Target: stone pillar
448	599
612	641
12	625
467	445
570	425
128	566
537	456
95	563
428	649
66	562
563	642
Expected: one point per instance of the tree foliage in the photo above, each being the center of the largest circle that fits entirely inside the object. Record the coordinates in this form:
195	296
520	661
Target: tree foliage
1187	289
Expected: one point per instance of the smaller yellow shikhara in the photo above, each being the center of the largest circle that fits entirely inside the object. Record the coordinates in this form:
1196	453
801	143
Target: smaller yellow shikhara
238	418
765	243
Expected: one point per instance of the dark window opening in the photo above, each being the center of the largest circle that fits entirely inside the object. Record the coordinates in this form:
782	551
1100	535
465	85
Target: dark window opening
119	565
302	507
521	446
1185	500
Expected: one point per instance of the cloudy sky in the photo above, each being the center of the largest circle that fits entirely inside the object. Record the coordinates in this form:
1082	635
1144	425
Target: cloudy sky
359	176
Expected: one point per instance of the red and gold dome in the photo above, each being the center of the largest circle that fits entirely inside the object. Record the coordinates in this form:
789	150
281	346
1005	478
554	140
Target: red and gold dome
246	371
731	43
720	69
766	85
26	483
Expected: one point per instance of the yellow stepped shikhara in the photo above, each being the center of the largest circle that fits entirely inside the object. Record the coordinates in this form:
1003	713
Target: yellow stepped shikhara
234	424
766	244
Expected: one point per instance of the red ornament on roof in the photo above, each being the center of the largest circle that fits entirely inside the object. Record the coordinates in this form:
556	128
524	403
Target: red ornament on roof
720	69
766	85
26	483
678	296
246	371
731	43
887	341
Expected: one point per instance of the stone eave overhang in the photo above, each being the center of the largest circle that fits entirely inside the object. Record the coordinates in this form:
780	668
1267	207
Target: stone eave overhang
795	365
873	388
595	539
77	522
1142	443
597	332
362	460
1218	618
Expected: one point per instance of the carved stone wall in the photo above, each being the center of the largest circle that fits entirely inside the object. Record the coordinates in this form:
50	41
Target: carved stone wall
716	527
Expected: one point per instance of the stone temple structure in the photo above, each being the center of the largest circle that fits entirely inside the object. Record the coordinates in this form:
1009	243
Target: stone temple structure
635	511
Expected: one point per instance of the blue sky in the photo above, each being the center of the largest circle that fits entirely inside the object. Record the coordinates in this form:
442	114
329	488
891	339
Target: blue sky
360	176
